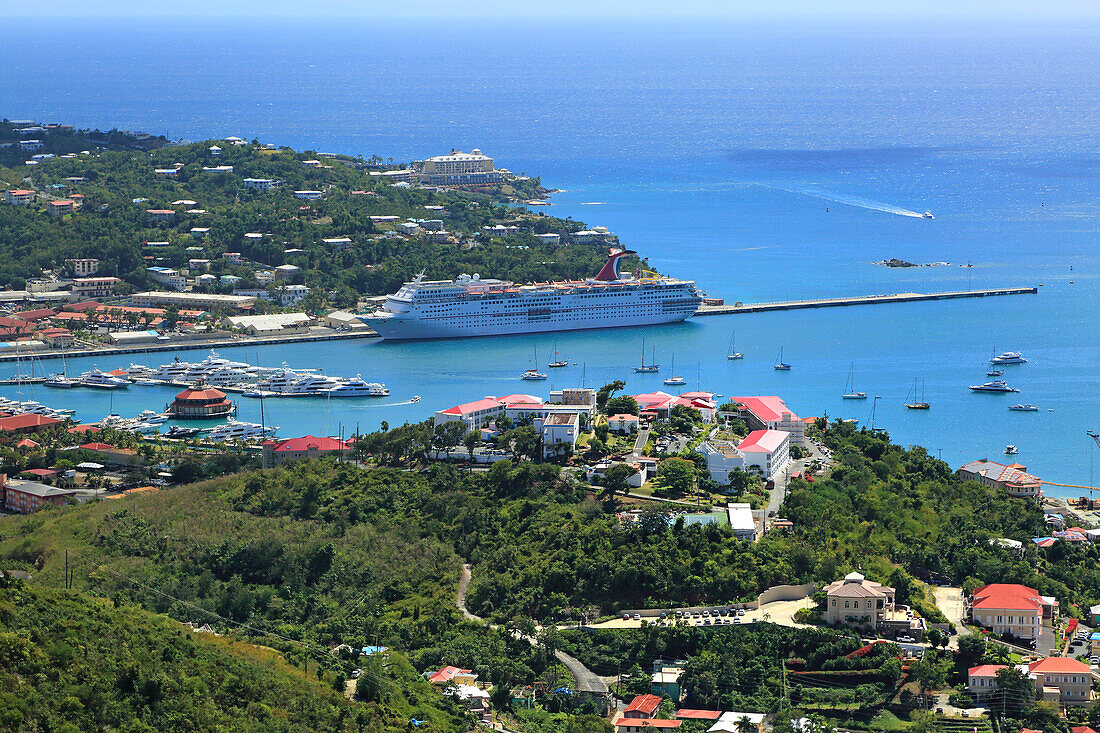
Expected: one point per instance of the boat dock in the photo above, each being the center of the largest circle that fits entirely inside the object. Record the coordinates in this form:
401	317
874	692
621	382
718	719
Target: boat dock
214	343
23	380
717	310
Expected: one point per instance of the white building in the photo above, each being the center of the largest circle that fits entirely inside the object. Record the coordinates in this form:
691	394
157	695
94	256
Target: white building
83	267
30	144
553	239
259	184
337	243
307	195
768	413
741	521
168	277
199	232
763	452
197	264
19	196
558	430
95	287
291	294
286	272
460	168
274	323
198	301
475	414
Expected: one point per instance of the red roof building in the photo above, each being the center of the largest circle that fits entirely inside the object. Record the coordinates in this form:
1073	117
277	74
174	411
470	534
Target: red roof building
200	402
35	315
640	725
475	414
1013	478
39	473
642	706
26	443
277	452
78	429
14	327
1010	608
26	423
689	714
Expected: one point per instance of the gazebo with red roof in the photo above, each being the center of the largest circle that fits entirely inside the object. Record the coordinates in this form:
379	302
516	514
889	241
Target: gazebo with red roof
200	402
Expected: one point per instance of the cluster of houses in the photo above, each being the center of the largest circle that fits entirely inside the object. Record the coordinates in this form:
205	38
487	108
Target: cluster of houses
1061	680
640	715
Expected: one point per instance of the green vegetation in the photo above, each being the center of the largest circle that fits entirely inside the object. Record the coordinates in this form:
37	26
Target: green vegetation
120	184
73	663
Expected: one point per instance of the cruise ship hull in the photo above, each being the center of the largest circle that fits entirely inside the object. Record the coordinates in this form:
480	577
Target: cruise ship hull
398	328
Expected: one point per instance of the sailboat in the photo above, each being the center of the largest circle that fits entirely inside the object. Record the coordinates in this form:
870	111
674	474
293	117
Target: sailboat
533	374
730	353
644	368
780	365
557	363
916	404
674	379
849	388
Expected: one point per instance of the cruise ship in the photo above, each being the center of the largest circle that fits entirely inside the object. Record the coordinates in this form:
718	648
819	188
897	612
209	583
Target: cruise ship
471	306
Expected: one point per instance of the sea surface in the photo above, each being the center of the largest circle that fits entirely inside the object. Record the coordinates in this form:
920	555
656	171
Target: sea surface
766	162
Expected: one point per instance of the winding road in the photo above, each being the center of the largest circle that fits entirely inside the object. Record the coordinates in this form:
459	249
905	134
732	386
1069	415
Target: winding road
584	679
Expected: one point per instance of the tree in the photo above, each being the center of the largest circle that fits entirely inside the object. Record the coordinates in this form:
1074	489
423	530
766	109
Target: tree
589	724
933	637
615	481
971	650
797	452
677	475
523	443
683	418
603	432
930	673
470	441
1013	693
449	434
605	392
370	685
624	405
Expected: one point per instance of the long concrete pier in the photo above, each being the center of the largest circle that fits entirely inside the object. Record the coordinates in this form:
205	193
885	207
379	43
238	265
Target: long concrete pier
786	305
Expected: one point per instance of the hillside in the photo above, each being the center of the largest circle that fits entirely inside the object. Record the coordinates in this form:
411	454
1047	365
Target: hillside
114	185
75	663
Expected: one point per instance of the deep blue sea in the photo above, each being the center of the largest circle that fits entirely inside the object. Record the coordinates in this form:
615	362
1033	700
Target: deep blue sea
766	162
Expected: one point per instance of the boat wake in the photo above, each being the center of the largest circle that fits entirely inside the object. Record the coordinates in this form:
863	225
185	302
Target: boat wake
593	203
842	198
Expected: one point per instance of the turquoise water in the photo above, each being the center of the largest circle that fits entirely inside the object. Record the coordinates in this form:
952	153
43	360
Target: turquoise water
765	163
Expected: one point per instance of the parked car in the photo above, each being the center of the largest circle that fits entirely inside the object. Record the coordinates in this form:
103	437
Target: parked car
1094	661
637	617
906	639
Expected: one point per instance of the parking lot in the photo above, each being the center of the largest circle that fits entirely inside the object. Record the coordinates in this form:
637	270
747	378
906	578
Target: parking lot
777	612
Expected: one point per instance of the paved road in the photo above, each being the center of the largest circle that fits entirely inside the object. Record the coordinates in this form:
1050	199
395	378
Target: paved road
775	500
950	601
584	679
639	444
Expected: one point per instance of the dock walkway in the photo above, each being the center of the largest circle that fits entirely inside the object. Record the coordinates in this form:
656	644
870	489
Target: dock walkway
717	310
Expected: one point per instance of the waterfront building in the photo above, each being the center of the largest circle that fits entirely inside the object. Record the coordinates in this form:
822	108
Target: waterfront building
199	301
19	196
270	324
200	402
83	267
1013	478
87	288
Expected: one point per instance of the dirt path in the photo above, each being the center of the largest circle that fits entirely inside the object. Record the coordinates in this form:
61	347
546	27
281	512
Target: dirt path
463	584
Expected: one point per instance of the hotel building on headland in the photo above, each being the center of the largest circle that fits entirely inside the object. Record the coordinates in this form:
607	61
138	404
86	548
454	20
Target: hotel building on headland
459	168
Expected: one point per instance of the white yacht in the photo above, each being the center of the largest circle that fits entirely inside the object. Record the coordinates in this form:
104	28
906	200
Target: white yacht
152	417
358	388
236	430
171	371
997	385
314	384
1009	357
59	381
102	380
281	382
141	428
534	375
1026	407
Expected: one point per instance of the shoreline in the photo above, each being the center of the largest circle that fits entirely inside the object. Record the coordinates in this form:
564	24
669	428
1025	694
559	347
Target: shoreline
214	343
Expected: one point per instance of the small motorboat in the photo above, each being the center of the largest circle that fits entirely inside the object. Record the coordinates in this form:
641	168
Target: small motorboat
532	375
927	215
995	373
1011	450
415	398
1026	407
